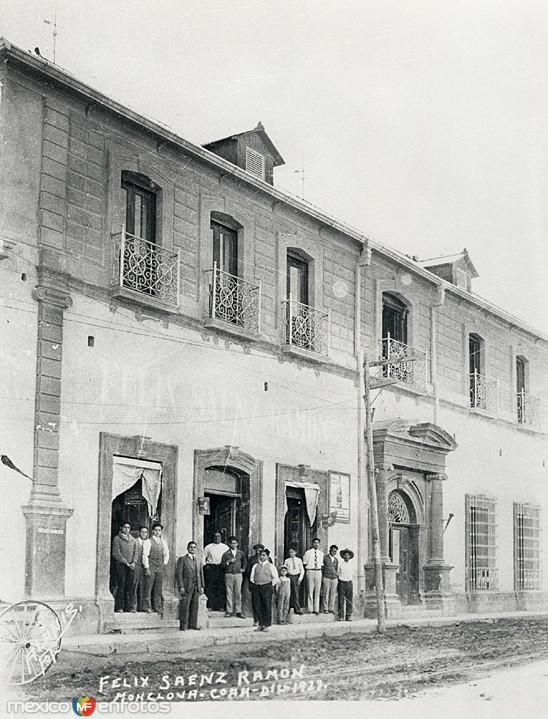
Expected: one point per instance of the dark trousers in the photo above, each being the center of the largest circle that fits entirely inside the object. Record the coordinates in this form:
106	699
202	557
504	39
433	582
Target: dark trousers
123	598
344	590
214	578
294	602
254	601
138	597
153	588
263	597
188	609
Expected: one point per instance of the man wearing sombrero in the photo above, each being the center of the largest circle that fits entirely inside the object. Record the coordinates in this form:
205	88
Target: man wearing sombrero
344	588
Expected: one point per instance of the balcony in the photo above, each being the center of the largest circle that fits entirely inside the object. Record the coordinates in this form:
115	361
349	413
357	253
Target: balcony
306	328
234	303
528	409
412	373
483	393
149	270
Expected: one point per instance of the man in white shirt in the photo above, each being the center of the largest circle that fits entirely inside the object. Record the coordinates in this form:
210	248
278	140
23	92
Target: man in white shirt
263	579
344	588
155	559
313	561
214	574
295	572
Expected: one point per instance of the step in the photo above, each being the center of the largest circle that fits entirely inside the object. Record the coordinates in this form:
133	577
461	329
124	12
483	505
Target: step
310	618
217	620
129	622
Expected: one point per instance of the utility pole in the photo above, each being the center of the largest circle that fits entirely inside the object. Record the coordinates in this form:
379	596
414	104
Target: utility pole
371	383
373	505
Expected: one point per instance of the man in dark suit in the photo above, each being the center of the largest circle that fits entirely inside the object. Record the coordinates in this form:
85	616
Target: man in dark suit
190	580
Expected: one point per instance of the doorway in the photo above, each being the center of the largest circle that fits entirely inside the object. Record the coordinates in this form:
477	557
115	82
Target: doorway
228	494
297	530
221	518
131	507
404	547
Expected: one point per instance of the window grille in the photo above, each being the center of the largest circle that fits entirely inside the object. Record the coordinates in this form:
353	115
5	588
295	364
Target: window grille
397	509
526	547
481	570
254	162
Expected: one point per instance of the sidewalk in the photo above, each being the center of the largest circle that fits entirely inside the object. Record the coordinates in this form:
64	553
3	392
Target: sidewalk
172	641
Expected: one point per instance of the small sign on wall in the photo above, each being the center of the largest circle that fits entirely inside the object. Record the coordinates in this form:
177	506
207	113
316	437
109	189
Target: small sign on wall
204	505
339	496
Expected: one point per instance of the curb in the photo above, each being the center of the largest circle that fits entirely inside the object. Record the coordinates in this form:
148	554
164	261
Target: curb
169	642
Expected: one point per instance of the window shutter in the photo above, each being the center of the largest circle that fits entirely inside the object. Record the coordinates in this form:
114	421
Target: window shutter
254	162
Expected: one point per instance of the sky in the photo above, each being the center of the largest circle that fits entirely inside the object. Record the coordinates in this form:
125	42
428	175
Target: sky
423	123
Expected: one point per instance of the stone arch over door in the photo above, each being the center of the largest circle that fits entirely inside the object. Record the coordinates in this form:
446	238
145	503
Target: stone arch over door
410	459
248	469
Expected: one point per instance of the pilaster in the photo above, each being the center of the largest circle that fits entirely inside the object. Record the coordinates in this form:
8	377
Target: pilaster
45	514
437	593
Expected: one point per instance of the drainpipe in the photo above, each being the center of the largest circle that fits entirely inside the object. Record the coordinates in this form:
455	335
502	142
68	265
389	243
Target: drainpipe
363	499
434	349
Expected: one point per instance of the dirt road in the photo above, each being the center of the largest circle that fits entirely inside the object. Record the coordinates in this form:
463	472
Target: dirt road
400	664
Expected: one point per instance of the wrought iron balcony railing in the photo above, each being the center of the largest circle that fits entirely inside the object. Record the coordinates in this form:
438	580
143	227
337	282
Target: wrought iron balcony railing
483	392
414	372
528	408
306	327
149	269
234	300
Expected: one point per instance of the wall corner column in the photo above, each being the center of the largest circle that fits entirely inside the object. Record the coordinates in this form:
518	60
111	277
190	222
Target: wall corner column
46	515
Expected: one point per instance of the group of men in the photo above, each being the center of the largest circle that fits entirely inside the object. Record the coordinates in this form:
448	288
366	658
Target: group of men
139	566
328	581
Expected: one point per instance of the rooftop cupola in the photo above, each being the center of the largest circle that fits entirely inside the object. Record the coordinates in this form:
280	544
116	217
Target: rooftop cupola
252	150
457	269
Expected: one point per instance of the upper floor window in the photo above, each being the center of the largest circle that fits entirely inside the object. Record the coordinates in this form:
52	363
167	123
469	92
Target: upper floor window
225	248
394	318
475	354
139	196
306	327
297	279
483	391
254	162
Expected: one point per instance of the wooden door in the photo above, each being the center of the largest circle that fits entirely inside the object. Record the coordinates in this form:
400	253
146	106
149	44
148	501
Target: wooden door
401	554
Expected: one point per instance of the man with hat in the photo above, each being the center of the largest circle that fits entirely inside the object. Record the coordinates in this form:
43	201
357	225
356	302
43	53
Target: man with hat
344	588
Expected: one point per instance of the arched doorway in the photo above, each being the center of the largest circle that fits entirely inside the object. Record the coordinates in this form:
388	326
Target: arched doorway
404	546
232	482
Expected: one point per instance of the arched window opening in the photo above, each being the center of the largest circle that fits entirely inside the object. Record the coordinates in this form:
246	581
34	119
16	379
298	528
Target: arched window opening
139	196
394	318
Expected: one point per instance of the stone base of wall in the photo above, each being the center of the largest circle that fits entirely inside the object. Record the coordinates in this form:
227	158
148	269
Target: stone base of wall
501	602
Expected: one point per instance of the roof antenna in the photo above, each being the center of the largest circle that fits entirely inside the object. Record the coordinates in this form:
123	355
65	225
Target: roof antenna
48	22
301	173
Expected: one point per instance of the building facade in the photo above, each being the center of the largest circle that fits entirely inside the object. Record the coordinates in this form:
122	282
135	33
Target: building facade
183	341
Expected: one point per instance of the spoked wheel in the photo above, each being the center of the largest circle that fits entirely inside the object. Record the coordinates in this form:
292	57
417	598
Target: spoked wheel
30	640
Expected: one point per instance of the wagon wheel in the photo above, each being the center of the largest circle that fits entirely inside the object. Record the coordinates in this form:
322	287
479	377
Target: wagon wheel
30	639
